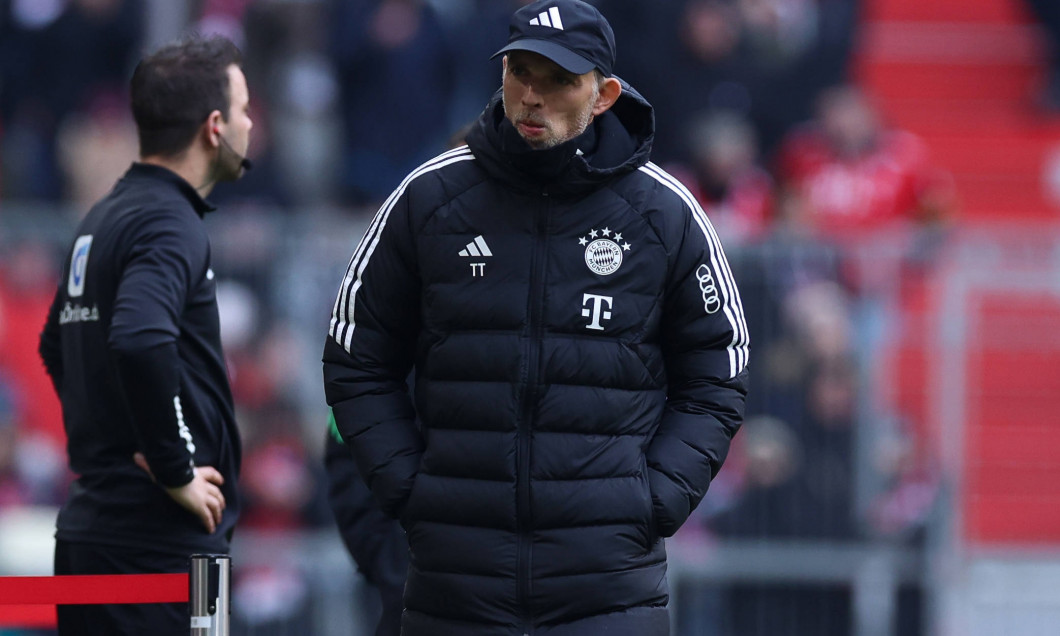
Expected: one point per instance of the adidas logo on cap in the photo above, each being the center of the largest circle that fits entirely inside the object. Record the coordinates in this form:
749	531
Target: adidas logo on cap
571	33
549	18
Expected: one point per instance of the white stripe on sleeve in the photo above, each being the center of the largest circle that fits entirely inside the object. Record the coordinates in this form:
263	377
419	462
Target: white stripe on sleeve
343	320
733	307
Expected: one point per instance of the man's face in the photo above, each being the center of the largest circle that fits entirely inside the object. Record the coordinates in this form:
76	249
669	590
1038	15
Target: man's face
547	104
236	129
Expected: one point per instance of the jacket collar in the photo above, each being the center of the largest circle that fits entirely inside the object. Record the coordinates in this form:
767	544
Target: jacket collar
616	143
158	173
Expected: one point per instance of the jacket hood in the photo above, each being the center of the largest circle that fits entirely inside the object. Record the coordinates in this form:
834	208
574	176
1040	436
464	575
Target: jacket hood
616	143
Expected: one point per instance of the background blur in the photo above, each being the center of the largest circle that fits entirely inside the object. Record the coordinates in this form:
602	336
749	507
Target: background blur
885	175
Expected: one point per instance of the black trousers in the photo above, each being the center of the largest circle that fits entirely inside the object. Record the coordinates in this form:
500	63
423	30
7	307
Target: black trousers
157	619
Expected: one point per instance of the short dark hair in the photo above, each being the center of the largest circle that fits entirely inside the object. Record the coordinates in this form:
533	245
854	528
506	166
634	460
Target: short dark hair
175	89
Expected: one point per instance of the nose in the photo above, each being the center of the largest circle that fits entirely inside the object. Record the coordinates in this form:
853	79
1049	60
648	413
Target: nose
531	96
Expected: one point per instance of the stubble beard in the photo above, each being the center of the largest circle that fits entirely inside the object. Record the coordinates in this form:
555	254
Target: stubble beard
229	165
551	139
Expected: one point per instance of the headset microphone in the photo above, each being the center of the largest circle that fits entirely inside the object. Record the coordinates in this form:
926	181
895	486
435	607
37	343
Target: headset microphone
247	164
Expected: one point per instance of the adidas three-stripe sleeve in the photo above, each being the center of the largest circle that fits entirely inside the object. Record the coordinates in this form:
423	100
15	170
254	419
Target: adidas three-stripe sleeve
705	347
369	352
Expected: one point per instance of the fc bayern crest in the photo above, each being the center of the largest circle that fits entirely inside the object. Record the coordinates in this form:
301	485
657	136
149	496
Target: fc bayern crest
603	251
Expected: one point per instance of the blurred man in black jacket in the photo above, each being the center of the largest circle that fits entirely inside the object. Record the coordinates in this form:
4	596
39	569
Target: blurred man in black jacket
374	539
133	347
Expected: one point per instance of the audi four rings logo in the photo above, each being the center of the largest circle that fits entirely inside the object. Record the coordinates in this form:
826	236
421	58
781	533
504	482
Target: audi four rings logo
711	302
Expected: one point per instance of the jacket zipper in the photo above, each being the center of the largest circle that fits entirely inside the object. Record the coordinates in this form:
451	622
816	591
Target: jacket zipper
534	342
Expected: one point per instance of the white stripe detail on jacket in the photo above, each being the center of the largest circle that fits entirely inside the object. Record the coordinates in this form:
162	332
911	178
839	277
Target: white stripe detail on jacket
738	347
342	318
182	428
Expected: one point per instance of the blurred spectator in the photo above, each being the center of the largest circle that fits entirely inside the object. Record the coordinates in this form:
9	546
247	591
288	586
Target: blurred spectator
247	250
767	59
283	490
240	311
698	41
724	176
58	57
12	491
816	361
32	468
32	462
283	494
27	279
828	436
1048	14
223	17
95	148
459	137
275	37
774	502
807	379
854	185
785	262
282	486
646	33
800	48
778	30
779	503
904	508
855	176
395	76
272	596
819	319
474	34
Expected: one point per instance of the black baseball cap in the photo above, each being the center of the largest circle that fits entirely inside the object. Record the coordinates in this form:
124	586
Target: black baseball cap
571	33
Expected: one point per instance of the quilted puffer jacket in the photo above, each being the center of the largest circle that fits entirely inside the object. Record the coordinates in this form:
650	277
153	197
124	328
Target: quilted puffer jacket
579	353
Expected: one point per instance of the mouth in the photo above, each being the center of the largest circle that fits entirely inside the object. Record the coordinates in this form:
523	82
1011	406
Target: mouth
530	128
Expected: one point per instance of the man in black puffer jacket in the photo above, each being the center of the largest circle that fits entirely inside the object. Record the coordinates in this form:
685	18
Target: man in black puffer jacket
579	348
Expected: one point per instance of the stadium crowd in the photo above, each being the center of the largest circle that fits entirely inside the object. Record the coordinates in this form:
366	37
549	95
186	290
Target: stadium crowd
798	171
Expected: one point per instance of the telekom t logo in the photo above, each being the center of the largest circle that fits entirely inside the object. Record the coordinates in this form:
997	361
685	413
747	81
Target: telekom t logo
593	307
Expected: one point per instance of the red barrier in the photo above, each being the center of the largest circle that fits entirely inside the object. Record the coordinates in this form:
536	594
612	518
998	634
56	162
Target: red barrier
29	601
32	616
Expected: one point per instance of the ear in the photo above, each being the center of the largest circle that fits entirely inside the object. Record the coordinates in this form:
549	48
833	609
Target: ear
213	127
609	93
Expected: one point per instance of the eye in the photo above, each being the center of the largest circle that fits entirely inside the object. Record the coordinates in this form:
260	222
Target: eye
563	80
